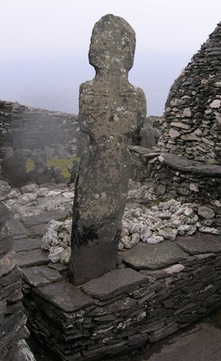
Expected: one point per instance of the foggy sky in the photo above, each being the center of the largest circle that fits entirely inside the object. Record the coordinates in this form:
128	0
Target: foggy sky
43	41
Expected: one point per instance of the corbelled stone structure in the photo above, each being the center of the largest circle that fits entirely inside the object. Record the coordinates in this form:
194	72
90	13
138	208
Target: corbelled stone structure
110	111
193	108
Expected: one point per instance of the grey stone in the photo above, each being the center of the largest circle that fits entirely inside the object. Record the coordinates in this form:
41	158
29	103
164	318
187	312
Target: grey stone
43	218
7	263
21	352
200	243
148	256
4	213
114	283
186	165
206	212
40	276
32	258
110	109
27	244
64	295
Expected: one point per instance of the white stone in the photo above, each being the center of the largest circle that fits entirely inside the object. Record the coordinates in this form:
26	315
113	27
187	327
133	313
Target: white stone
193	187
30	188
189	212
168	233
209	230
54	193
175	223
68	195
14	194
55	225
27	198
215	104
206	212
187	113
65	256
42	191
217	203
173	133
126	242
145	234
135	238
176	268
155	239
55	254
51	237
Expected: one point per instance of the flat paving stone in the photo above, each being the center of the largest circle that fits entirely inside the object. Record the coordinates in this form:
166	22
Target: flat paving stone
32	258
64	295
17	227
37	231
40	276
43	218
200	343
200	243
114	283
27	244
149	256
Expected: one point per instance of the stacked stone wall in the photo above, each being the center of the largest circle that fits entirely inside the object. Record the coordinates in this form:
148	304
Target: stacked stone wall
13	329
126	308
23	127
193	108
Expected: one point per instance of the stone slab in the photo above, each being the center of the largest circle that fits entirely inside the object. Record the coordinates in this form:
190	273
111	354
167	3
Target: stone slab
27	244
44	218
64	295
5	215
32	258
200	343
7	263
6	244
187	165
154	256
200	243
37	231
40	276
114	283
17	227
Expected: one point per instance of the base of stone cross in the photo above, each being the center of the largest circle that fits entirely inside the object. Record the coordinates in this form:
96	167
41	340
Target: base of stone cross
98	259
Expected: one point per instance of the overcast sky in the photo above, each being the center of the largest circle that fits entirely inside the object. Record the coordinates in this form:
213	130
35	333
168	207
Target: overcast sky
45	33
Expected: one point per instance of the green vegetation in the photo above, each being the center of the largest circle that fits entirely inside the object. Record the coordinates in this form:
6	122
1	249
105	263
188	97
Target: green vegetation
61	163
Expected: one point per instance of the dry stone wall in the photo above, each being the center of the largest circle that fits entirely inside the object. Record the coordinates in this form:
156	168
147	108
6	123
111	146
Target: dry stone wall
193	108
13	329
23	127
34	134
157	290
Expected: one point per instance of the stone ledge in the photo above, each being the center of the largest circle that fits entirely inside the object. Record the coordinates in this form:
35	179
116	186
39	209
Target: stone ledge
114	283
32	258
64	295
190	166
160	255
43	218
40	276
198	244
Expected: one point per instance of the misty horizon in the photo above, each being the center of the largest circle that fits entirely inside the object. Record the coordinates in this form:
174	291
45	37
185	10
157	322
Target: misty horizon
54	84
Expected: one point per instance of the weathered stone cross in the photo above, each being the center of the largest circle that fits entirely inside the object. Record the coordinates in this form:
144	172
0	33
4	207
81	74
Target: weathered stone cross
109	110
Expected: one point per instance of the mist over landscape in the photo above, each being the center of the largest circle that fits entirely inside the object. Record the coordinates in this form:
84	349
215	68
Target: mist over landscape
54	83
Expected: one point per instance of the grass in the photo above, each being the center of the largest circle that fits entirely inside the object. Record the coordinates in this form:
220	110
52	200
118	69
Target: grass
61	163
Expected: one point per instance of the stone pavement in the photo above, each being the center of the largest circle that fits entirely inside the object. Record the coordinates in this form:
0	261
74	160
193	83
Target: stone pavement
200	343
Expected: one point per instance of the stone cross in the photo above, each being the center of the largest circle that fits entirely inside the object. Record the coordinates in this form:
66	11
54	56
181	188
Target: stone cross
110	109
